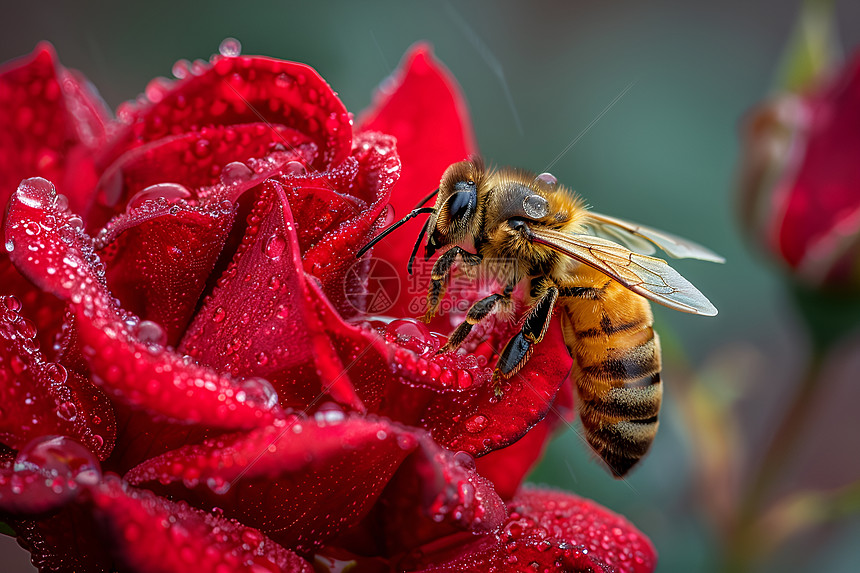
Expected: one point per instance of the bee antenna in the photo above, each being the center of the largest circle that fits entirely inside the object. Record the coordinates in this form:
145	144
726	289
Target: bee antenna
412	214
415	248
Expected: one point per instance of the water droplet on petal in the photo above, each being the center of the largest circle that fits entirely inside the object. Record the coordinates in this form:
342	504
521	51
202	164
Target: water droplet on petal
219	315
35	192
59	456
76	222
67	411
235	173
257	391
411	334
150	332
275	246
464	460
476	423
230	47
294	168
329	413
169	191
181	69
57	373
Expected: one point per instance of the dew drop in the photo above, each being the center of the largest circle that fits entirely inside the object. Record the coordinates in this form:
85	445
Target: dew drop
67	411
219	315
57	373
76	222
329	413
230	47
59	456
465	460
294	168
35	192
235	173
476	423
275	246
181	69
258	392
12	303
547	178
411	334
150	332
168	191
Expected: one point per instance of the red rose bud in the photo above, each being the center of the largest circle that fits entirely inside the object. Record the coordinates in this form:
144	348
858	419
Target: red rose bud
800	185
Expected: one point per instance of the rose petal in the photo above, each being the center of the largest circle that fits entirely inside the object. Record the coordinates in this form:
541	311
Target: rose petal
147	533
243	90
423	108
300	481
483	423
282	479
226	156
262	301
450	394
432	496
124	355
50	120
549	530
64	542
46	114
39	397
506	467
331	257
159	257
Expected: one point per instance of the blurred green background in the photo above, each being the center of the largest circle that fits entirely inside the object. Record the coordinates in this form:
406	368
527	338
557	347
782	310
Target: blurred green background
536	75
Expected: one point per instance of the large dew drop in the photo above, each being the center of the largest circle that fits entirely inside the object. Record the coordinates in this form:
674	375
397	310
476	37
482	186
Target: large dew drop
59	456
230	47
411	334
257	391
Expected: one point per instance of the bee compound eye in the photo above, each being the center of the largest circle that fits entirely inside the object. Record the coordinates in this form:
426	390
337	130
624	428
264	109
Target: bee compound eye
535	207
462	204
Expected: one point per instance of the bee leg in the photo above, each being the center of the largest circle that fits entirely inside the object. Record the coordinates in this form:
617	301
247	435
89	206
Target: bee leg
477	312
439	274
519	348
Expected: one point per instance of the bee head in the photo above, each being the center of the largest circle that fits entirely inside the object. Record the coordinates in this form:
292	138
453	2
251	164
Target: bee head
458	214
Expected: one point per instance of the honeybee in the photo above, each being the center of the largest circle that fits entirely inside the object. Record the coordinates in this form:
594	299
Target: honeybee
593	270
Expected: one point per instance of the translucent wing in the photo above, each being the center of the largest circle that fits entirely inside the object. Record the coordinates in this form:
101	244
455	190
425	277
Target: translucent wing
641	239
648	276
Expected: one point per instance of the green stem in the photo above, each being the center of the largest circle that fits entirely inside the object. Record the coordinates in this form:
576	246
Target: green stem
743	545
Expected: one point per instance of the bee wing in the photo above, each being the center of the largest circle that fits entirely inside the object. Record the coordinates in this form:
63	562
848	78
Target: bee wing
648	276
634	235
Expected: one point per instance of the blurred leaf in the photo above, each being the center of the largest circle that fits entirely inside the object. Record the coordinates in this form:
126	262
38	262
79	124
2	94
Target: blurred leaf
813	48
803	511
6	530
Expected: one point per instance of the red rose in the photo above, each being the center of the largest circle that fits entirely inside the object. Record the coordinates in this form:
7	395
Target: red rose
801	180
194	261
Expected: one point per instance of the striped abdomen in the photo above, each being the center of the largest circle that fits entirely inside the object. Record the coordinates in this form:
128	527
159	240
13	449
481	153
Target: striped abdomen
608	331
